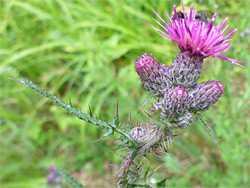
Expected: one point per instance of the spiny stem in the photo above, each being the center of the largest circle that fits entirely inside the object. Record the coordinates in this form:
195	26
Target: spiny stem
74	111
69	179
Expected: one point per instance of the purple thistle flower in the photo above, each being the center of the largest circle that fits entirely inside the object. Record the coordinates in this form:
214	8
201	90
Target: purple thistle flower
197	37
154	76
204	95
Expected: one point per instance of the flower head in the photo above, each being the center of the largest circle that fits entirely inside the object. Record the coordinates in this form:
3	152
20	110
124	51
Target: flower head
205	94
137	133
154	76
199	38
175	102
185	70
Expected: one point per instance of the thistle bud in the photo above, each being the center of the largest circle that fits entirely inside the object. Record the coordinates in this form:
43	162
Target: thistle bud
183	121
204	95
175	102
154	76
186	69
137	133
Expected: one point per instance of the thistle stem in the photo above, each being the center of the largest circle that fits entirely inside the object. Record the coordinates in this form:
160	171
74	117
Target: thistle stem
74	111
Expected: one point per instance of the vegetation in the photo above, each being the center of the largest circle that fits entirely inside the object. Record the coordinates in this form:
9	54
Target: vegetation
84	51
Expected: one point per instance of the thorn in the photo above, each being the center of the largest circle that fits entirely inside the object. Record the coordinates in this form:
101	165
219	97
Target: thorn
171	156
114	150
70	102
177	134
169	134
130	119
146	173
171	127
148	114
147	157
15	80
158	167
141	167
116	139
138	123
99	139
116	113
179	184
90	112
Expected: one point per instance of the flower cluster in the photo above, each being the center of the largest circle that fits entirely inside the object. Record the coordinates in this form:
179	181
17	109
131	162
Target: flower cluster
176	86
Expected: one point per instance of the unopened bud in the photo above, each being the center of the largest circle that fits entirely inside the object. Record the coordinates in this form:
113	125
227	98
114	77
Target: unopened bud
154	76
137	133
186	69
205	94
175	102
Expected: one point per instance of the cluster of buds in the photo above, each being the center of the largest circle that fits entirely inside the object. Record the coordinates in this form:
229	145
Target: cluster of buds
176	86
177	89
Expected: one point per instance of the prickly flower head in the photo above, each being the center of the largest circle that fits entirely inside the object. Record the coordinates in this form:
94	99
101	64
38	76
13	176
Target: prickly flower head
137	133
204	95
197	37
186	69
176	99
152	74
142	135
175	102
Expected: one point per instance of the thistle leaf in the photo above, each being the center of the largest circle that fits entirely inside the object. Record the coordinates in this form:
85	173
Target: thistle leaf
124	141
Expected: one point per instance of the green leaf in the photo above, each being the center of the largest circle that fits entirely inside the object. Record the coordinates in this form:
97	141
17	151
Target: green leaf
124	141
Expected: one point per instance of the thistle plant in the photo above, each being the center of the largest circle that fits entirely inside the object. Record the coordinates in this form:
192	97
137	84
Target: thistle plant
179	97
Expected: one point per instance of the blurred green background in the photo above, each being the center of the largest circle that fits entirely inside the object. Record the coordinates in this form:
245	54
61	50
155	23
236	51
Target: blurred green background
85	50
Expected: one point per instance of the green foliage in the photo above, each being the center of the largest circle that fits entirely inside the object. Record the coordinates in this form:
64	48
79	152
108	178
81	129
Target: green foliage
85	50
